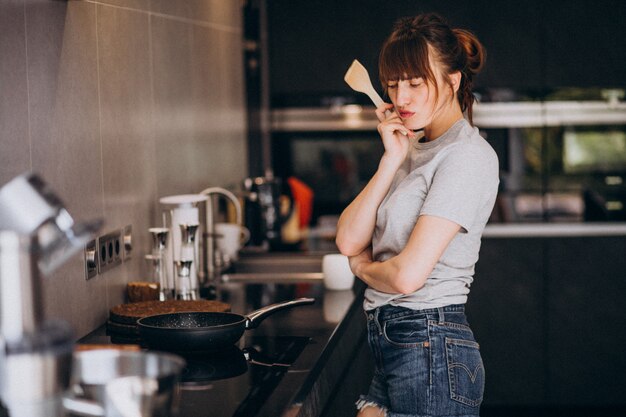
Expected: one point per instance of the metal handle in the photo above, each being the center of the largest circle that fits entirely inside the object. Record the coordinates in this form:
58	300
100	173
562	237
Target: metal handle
253	319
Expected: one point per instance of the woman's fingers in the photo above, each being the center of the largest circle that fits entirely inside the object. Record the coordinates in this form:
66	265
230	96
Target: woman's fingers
384	111
395	125
388	117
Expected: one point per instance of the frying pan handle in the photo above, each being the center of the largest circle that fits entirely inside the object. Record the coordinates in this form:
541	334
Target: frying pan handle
253	319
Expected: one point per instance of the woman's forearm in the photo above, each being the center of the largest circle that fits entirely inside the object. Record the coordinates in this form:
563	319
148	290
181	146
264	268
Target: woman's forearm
408	271
357	222
370	273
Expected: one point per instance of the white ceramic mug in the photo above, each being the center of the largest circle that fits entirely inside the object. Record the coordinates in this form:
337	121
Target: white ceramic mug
337	273
230	239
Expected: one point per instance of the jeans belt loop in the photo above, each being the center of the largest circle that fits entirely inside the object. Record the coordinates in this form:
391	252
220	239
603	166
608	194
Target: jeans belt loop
442	315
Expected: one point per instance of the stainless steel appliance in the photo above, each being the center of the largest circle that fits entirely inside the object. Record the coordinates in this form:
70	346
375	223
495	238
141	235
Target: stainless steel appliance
37	235
117	383
29	207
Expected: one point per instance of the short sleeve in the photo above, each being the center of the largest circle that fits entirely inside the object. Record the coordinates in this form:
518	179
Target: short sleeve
464	185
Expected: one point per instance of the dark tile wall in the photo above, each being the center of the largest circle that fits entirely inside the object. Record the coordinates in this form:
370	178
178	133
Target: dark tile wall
117	103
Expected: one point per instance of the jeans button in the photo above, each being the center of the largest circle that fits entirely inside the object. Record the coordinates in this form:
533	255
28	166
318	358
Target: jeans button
370	317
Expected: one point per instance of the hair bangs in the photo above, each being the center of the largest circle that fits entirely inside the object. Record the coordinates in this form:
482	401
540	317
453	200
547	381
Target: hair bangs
403	59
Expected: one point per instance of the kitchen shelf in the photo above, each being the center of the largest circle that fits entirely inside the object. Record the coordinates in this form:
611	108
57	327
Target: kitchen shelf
486	115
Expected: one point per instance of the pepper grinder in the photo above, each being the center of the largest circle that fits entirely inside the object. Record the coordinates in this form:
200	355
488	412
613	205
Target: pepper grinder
187	281
159	262
183	281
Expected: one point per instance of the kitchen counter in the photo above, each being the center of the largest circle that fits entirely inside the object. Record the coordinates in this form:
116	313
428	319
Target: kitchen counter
511	230
330	333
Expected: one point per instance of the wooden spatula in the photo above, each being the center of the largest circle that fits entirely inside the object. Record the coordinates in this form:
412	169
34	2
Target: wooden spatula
359	80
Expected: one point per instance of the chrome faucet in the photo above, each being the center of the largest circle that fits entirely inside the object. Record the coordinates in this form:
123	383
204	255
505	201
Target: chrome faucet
213	261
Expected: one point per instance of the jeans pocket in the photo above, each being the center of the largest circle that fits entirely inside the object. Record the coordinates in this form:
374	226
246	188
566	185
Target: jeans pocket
406	332
466	373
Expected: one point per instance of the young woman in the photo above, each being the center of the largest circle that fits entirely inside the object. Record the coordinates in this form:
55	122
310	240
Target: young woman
413	233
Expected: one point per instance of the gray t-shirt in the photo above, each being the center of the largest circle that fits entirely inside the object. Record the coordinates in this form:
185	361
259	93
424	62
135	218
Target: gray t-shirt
454	177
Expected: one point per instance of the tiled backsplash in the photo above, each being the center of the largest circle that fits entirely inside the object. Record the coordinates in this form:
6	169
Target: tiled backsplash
117	103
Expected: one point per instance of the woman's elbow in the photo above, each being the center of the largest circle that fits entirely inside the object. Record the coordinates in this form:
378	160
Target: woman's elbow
348	248
407	282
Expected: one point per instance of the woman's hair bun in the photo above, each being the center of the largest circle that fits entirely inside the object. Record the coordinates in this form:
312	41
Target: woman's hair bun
474	50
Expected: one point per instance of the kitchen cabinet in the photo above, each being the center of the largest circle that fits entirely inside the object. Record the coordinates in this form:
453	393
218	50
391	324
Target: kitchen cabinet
585	43
586	327
506	311
532	46
548	315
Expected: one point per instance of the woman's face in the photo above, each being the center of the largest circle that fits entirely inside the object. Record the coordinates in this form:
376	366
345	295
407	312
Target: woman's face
416	102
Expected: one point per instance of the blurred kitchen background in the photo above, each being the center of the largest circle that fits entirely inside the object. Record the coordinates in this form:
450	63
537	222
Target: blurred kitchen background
549	100
117	103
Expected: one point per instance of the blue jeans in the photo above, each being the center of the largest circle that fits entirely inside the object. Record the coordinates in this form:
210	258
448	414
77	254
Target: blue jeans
427	362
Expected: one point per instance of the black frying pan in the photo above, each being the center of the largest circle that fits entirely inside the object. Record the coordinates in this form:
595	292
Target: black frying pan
202	330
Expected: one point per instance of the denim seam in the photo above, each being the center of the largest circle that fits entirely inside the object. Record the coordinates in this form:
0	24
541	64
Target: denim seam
450	324
405	315
400	319
417	313
431	366
470	343
374	342
425	343
377	321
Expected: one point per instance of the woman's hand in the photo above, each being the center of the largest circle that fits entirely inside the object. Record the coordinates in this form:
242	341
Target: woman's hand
394	134
361	262
356	262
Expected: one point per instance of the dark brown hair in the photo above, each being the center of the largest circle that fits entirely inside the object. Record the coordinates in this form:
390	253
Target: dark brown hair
404	54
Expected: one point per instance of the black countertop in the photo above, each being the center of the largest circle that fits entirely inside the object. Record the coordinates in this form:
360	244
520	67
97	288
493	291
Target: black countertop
322	339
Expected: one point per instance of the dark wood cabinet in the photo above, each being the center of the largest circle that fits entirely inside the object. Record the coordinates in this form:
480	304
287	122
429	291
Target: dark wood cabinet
585	43
548	314
511	33
506	311
531	45
586	327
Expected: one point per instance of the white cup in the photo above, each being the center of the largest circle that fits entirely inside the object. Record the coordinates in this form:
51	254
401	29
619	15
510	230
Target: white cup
337	273
230	239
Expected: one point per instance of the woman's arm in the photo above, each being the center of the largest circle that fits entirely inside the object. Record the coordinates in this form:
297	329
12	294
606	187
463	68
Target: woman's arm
407	272
357	222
